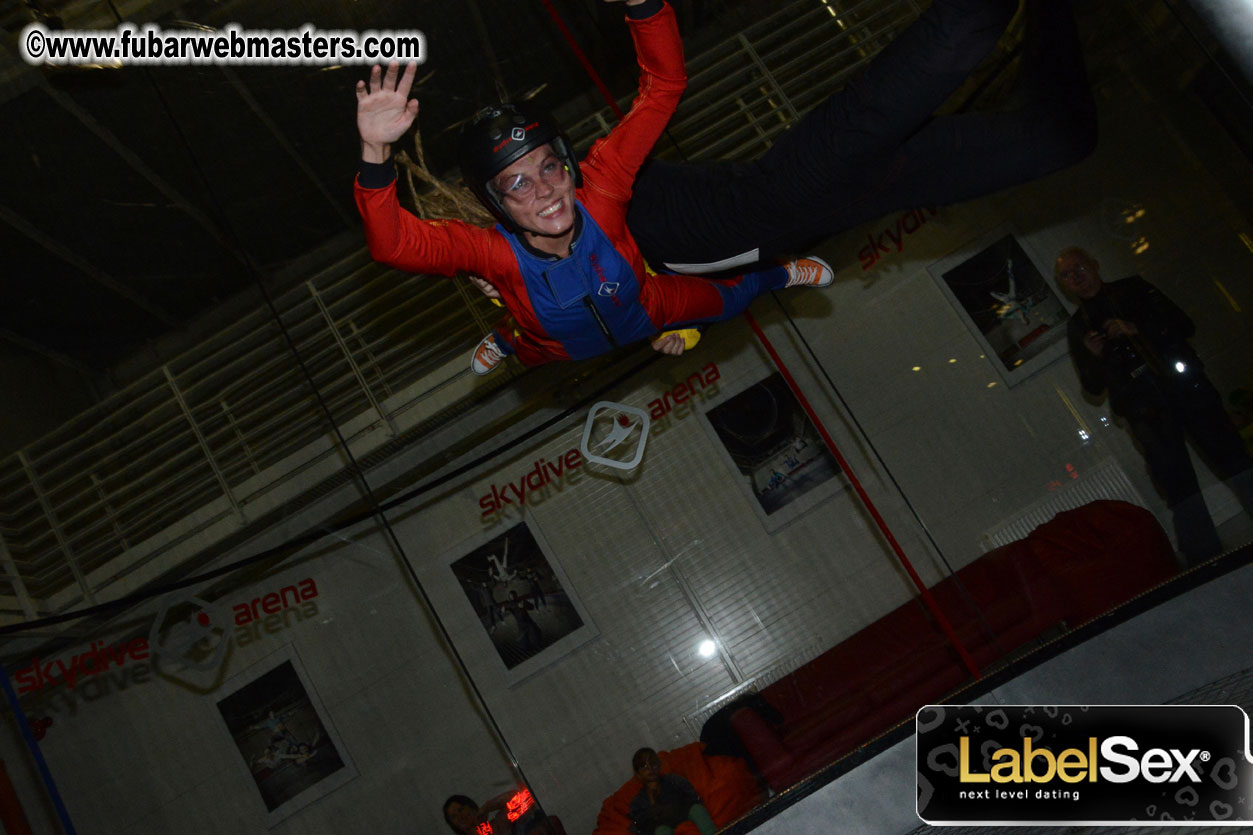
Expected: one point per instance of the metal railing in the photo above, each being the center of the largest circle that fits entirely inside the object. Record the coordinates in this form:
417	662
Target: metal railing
200	440
748	89
187	454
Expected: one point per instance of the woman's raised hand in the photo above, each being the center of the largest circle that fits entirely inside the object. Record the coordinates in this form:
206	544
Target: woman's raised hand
384	109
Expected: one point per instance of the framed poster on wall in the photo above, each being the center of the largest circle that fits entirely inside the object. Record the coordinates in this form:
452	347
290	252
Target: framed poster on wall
1008	301
285	741
784	466
515	598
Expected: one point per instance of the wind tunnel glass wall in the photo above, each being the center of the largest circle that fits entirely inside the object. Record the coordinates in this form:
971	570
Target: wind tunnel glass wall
520	619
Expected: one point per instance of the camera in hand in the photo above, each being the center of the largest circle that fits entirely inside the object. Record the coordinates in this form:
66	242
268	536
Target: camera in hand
1120	350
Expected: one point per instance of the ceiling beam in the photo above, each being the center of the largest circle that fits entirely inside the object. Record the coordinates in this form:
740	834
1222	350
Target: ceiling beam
286	145
80	263
90	373
142	168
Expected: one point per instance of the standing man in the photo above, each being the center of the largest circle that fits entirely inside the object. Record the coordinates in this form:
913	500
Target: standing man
1130	340
537	589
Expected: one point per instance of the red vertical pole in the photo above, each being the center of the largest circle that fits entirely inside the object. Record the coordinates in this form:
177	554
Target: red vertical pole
578	53
923	592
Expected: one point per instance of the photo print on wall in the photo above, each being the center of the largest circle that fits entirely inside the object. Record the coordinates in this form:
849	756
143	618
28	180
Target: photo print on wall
1008	304
782	460
289	750
517	596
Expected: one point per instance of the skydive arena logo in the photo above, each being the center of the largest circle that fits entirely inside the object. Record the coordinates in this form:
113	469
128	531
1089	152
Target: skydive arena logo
189	632
1170	764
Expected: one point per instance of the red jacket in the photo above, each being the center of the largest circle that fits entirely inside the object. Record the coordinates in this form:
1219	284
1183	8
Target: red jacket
446	247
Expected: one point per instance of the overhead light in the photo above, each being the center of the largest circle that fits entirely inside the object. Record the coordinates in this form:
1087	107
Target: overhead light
706	648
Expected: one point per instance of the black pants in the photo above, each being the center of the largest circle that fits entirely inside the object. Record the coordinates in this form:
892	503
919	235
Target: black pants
1159	420
874	147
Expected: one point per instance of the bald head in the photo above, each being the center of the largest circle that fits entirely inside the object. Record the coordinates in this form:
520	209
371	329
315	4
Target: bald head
1077	272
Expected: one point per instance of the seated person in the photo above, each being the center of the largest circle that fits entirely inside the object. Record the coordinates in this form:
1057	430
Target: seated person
664	800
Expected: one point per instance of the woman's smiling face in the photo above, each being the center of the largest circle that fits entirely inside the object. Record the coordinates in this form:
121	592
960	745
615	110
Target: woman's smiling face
538	193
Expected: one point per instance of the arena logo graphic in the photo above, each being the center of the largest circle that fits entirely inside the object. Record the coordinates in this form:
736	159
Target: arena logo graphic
277	611
193	634
877	247
615	435
677	403
515	135
187	631
188	634
547	476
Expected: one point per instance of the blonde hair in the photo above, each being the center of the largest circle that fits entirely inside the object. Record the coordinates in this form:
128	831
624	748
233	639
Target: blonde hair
434	198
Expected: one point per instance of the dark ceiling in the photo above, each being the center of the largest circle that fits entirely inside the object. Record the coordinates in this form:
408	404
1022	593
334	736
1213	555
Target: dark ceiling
135	199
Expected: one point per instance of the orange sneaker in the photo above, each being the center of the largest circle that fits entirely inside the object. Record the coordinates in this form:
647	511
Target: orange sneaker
809	272
486	356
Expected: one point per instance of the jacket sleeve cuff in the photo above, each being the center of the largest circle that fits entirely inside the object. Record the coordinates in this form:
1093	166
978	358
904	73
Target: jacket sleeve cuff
646	9
377	174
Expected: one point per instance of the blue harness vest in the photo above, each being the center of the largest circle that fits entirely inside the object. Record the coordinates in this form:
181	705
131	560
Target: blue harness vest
588	301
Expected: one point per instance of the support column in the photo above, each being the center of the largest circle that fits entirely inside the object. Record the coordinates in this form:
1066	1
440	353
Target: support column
352	363
55	524
204	445
15	578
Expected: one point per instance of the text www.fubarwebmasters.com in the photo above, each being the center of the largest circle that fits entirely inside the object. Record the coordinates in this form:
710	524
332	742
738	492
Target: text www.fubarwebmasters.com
149	44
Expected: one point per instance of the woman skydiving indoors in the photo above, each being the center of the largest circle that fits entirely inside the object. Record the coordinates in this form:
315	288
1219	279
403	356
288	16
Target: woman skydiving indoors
561	258
567	258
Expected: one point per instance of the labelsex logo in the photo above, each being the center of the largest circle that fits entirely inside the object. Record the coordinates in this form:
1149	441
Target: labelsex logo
1040	765
1106	764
